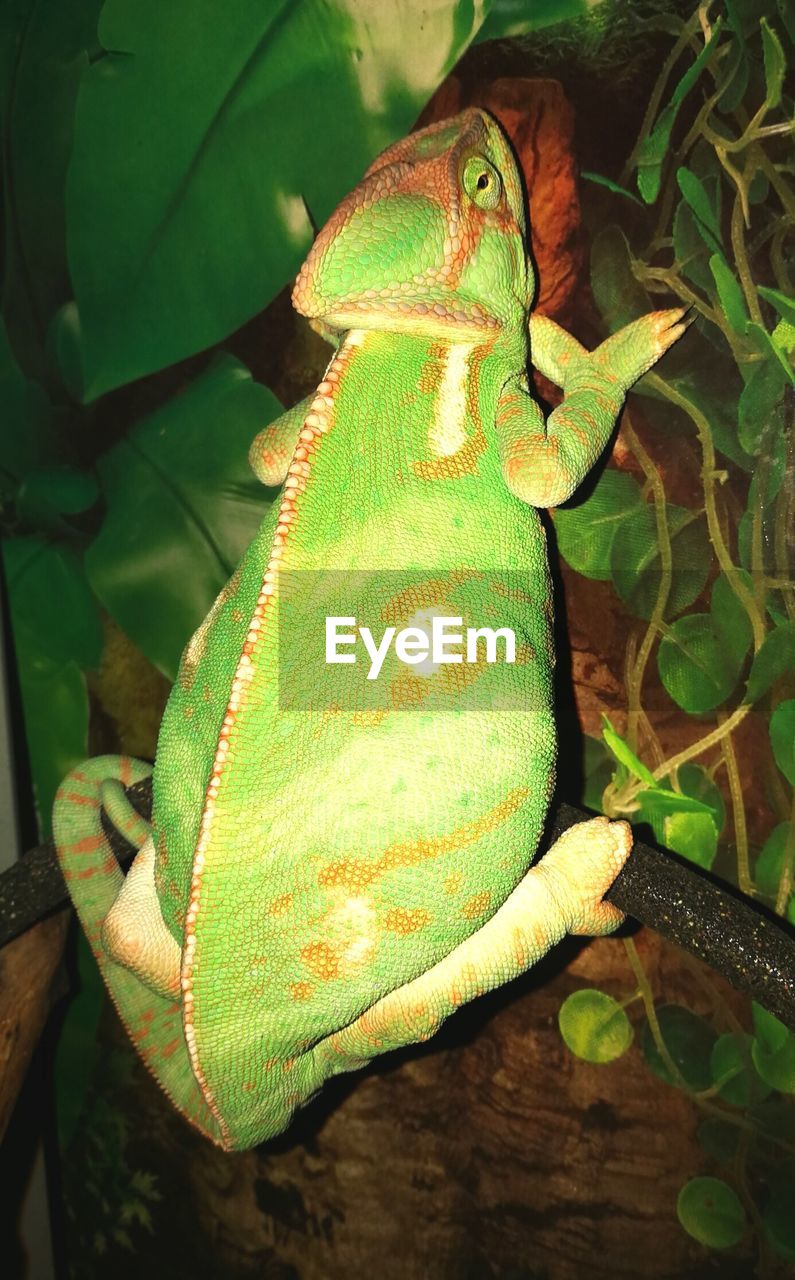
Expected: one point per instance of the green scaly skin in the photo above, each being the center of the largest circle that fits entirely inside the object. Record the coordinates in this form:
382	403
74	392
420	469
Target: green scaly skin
325	885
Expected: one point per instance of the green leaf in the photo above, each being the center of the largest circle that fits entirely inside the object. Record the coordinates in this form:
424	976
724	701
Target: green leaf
47	495
585	533
652	152
701	656
598	766
691	253
697	794
731	1058
783	339
200	139
766	347
776	852
600	180
55	709
693	665
53	613
64	347
782	738
775	658
696	196
594	1026
734	77
730	294
656	146
761	395
769	1032
689	1040
709	379
783	305
729	615
773	1051
625	755
766	481
711	1212
694	835
48	42
182	508
775	64
619	296
636	566
510	18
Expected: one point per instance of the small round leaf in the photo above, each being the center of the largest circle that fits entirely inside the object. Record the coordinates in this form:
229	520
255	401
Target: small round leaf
594	1026
711	1212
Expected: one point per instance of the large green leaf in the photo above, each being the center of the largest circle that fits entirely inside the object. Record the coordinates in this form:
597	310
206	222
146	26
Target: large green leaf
585	533
182	508
518	18
200	137
53	612
636	565
45	43
53	618
701	655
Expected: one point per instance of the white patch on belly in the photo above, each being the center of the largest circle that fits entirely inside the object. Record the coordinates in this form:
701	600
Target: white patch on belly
448	432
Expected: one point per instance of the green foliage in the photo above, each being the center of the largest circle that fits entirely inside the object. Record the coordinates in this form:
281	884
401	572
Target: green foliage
182	506
594	1026
711	1212
689	1042
710	166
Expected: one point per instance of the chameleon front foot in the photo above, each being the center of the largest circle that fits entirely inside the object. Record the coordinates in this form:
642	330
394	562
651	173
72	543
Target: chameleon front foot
625	356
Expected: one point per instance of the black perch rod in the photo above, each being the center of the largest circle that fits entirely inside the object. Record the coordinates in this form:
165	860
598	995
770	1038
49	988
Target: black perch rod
738	939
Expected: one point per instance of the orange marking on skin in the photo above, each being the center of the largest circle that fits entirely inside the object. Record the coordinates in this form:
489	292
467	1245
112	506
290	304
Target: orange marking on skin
321	960
404	921
477	905
354	874
89	844
170	1049
423	595
125	770
301	990
281	904
74	797
109	865
453	882
464	462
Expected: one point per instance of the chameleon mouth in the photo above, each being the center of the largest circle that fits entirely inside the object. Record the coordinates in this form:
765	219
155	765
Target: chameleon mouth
400	314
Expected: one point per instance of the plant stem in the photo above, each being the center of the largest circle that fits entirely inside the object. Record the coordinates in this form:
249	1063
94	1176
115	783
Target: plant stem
738	586
635	675
698	748
744	878
785	883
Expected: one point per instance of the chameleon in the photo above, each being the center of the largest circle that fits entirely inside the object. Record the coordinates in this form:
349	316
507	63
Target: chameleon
325	881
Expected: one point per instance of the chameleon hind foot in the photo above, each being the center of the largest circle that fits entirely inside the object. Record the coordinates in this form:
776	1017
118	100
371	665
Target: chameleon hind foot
563	893
134	933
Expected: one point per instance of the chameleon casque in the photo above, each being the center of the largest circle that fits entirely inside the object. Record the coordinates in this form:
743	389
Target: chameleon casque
324	884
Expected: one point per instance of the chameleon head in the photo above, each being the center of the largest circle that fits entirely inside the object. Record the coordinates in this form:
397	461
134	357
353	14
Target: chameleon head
431	241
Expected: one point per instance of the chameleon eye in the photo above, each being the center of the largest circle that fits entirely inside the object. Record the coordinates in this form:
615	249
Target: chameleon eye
481	182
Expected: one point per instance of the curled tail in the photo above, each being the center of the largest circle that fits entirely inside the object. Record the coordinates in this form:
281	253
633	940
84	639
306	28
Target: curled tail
95	880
